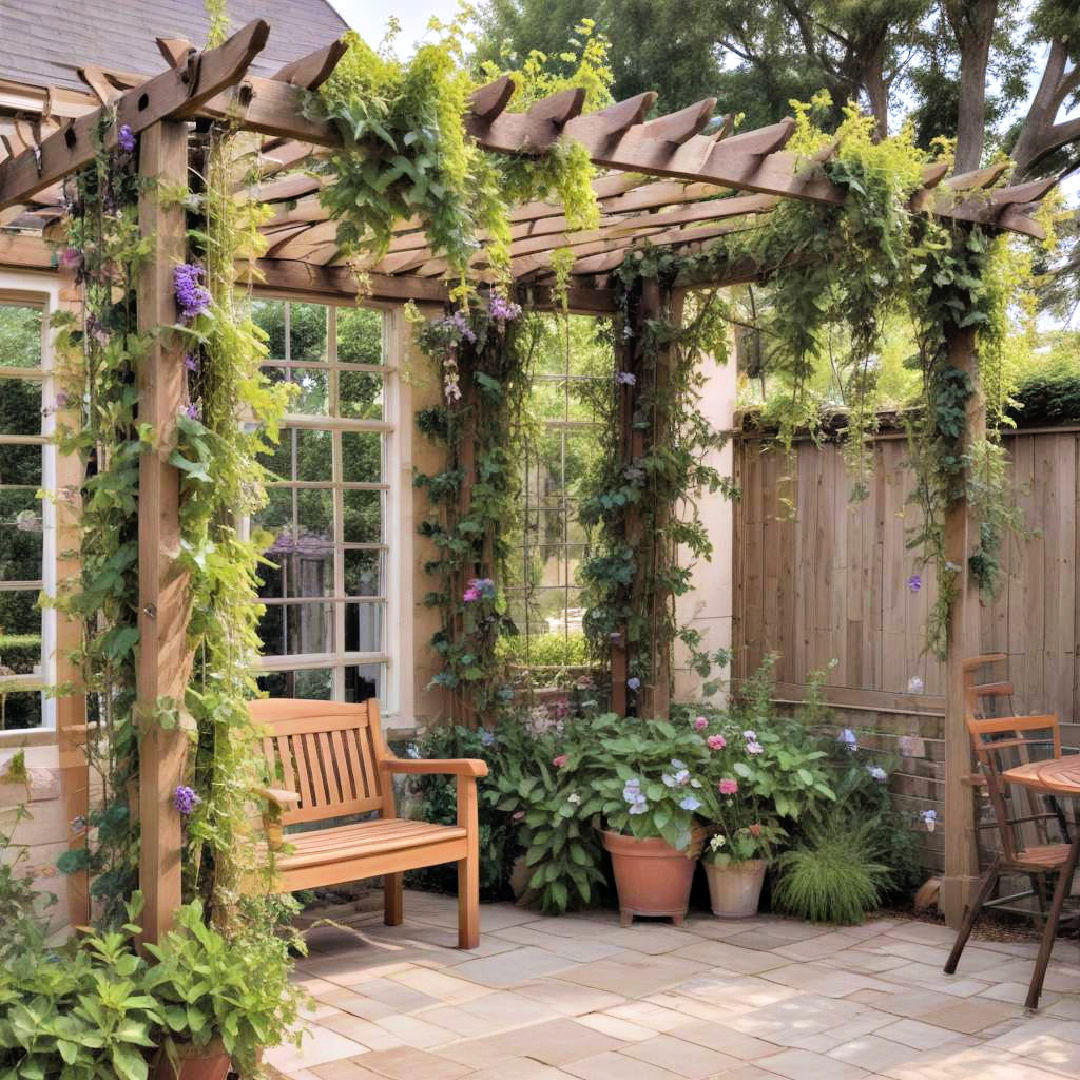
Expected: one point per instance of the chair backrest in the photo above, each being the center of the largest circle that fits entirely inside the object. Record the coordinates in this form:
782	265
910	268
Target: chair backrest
983	699
328	752
1005	742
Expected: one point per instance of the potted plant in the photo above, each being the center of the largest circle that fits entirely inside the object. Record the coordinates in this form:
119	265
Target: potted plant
222	999
762	779
652	800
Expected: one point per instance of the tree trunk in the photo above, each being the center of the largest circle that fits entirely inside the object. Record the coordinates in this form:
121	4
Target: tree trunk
973	24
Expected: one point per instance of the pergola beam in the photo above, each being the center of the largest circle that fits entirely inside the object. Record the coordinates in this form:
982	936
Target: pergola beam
177	94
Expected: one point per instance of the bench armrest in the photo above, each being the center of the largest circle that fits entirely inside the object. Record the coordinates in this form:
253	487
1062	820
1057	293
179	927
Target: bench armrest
281	798
473	767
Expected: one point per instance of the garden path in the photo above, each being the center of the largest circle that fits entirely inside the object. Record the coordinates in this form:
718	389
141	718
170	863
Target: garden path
768	999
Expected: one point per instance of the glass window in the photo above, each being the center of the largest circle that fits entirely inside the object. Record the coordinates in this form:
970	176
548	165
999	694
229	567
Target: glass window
572	388
324	585
22	525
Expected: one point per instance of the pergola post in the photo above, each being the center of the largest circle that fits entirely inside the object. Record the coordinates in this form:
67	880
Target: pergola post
164	662
961	847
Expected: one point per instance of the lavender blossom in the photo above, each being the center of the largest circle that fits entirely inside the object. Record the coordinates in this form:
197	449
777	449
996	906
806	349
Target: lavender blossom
125	138
192	298
185	800
503	310
191	362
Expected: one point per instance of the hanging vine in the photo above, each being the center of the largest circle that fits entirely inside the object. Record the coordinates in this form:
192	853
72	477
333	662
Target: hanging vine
98	351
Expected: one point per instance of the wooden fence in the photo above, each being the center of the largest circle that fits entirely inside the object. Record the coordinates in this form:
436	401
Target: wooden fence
820	579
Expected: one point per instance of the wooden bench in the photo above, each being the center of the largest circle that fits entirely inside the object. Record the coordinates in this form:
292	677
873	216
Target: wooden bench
332	762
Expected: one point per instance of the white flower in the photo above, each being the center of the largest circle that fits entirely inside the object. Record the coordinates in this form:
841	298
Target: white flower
574	798
718	841
915	685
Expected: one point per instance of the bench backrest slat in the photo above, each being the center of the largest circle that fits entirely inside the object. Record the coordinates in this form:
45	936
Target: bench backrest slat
326	751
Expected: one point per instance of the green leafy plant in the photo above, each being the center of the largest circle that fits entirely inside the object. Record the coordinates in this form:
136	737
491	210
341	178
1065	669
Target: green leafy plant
209	987
834	875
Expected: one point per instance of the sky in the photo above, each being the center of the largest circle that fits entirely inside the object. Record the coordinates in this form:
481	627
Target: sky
369	17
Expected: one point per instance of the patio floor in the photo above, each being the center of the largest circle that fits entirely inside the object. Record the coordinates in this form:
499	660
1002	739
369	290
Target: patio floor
579	997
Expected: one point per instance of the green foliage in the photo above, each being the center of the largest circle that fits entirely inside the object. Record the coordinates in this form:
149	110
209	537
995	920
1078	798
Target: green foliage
20	922
408	152
835	875
236	989
642	505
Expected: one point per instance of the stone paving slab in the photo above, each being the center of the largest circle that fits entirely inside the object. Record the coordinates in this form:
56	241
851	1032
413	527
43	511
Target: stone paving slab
764	999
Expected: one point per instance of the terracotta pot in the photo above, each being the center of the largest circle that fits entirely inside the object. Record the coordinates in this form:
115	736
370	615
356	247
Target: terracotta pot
736	889
209	1062
652	877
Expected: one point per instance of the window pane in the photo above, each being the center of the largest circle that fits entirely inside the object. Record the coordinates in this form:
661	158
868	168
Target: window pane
20	336
363	573
363	681
291	629
363	516
313	455
362	456
307	332
269	315
359	335
361	395
20	407
19	709
302	565
299	684
315	512
278	510
20	465
364	627
314	393
20	632
20	536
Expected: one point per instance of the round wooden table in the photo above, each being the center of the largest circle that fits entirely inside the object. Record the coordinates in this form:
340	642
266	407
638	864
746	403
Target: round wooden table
1056	776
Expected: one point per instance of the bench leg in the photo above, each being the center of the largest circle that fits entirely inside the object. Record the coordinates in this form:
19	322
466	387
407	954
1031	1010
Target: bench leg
468	903
393	899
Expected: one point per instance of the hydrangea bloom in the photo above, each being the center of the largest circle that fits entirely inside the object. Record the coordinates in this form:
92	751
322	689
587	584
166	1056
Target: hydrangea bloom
728	786
185	800
680	777
632	795
634	683
690	803
192	298
125	138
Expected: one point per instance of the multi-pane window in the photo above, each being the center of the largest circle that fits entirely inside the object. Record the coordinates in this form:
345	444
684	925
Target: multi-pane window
324	631
571	388
24	455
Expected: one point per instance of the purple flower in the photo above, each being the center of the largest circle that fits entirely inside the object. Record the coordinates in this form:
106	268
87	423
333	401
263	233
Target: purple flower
690	803
185	800
503	310
192	298
479	589
191	362
191	412
70	257
914	583
460	322
62	400
634	683
626	378
878	773
929	818
125	138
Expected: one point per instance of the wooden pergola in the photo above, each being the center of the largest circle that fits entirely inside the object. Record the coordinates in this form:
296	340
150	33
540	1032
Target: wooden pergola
679	181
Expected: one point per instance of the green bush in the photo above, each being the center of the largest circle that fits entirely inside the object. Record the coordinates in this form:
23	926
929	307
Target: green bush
833	875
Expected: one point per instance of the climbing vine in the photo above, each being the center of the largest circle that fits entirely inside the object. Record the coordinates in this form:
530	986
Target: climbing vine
481	356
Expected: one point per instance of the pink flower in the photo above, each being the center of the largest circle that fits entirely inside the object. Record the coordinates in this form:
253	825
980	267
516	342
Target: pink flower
728	786
701	723
754	830
559	761
716	742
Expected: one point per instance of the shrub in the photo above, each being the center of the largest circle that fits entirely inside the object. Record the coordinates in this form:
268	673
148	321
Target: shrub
833	875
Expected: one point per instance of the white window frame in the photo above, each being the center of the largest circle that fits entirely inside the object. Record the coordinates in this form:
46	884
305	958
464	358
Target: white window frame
36	290
396	654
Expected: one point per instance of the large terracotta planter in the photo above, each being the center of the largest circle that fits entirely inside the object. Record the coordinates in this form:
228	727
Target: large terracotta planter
209	1062
736	888
652	877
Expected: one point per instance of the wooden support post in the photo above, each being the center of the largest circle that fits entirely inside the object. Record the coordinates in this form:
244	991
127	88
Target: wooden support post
961	847
164	663
71	733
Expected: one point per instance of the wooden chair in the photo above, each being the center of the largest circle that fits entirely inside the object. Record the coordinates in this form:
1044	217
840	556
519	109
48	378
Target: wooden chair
1010	742
331	761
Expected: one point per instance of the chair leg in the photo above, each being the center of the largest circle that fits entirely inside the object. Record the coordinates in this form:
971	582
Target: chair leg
1046	946
986	887
1040	899
468	903
393	899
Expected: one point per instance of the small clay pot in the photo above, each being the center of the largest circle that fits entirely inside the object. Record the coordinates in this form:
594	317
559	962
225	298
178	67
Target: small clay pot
210	1062
736	888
